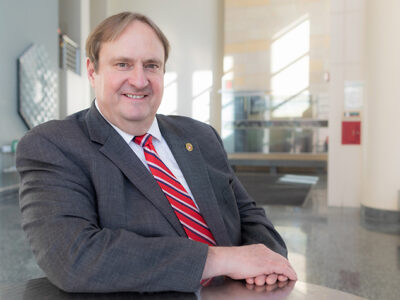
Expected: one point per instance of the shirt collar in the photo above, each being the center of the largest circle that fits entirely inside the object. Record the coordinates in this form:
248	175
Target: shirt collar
154	129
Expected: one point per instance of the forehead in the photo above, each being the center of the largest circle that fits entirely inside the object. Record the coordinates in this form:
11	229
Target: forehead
137	39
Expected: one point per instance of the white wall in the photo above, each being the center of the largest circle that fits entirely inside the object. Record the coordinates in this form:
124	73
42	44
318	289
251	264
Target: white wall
194	29
74	21
98	12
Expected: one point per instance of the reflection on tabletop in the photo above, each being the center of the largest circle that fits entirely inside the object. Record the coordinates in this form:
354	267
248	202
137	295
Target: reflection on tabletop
225	288
219	288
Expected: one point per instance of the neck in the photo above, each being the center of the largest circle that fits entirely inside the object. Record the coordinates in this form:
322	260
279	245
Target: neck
135	128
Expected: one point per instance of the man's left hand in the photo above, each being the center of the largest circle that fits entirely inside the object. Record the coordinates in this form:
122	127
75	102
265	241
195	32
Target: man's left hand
266	279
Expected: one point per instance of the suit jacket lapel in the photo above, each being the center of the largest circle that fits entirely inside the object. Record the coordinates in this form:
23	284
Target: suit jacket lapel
195	172
117	150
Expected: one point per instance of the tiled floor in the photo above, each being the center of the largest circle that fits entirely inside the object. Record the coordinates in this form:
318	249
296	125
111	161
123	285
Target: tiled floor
16	259
327	247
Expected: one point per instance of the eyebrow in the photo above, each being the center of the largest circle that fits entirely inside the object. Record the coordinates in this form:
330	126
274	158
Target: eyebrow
127	59
120	58
153	60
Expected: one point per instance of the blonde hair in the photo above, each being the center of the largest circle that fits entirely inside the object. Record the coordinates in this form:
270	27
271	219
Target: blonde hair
112	27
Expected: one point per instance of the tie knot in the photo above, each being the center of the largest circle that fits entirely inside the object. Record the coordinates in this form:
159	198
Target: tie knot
143	140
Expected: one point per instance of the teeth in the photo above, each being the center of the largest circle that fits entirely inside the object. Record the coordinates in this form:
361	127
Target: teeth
134	96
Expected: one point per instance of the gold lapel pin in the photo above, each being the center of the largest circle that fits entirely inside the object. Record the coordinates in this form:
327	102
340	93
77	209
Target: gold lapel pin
189	147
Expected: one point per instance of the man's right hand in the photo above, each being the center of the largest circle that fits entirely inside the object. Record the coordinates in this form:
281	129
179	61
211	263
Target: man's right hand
247	262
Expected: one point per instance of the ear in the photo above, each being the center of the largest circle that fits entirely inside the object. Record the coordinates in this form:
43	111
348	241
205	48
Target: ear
90	71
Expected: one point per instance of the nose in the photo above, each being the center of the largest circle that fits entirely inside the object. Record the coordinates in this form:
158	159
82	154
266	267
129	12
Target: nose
138	78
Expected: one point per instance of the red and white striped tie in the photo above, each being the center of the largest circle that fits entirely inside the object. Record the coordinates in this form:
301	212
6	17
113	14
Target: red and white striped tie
182	203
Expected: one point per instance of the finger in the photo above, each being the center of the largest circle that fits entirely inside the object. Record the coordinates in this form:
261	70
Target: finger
250	280
293	271
260	280
294	274
288	272
282	278
282	267
271	279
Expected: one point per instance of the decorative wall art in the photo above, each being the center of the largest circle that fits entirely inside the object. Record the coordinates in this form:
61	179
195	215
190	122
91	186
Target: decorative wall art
37	87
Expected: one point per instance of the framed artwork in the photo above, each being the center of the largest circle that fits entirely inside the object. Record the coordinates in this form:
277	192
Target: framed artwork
37	87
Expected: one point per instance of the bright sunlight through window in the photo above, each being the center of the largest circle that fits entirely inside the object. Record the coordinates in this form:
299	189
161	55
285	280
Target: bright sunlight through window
202	82
290	69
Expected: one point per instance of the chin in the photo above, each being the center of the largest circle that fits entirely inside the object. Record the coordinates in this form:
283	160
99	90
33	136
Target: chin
137	118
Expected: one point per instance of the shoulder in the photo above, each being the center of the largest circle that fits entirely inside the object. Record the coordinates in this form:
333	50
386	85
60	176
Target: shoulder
57	131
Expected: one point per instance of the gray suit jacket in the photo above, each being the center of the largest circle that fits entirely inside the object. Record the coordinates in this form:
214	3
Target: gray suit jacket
97	221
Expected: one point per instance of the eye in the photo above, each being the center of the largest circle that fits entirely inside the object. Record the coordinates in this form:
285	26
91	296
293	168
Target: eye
152	66
122	65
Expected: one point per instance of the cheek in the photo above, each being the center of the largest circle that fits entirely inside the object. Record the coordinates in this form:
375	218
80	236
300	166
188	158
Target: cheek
113	84
158	85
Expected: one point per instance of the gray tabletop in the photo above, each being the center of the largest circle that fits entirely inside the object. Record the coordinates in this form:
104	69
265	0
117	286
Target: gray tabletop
220	289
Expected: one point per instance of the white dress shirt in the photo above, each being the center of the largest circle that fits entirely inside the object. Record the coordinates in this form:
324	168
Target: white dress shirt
161	147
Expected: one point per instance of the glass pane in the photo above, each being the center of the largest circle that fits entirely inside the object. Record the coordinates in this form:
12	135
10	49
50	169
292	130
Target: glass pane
250	123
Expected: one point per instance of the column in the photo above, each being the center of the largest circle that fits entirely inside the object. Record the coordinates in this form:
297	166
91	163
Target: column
380	204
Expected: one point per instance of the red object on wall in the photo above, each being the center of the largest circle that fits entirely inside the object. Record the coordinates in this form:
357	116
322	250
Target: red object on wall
351	133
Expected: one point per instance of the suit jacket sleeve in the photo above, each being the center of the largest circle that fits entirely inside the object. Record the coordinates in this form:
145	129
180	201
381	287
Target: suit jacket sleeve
59	213
255	226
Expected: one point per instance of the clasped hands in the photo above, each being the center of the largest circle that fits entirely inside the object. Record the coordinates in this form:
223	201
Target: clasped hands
257	264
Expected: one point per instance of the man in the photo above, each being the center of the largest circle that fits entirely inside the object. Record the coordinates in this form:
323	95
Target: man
115	198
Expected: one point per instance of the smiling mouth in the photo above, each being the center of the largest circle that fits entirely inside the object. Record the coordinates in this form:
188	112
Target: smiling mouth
133	96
